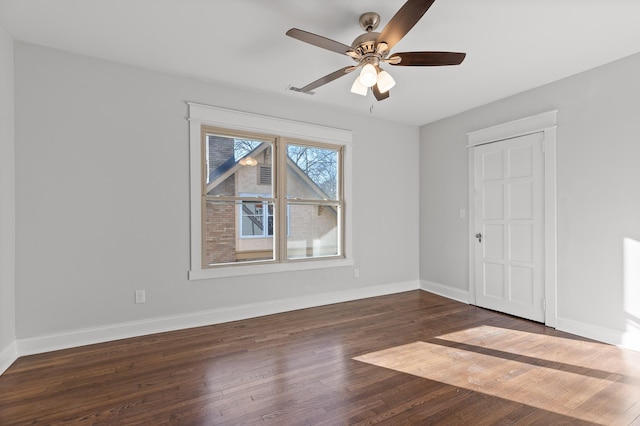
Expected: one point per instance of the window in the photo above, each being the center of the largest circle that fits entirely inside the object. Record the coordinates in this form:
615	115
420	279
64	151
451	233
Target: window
313	200
255	218
266	201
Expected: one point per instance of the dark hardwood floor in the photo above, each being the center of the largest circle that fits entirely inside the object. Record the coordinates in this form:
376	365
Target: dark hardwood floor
409	358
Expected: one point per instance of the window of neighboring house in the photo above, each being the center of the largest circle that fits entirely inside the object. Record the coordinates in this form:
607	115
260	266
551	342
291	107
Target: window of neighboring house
253	215
269	200
255	218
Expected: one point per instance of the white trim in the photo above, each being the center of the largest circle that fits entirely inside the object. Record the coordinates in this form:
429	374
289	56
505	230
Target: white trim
8	356
445	291
238	120
628	339
266	268
513	129
111	332
545	123
195	171
471	240
550	228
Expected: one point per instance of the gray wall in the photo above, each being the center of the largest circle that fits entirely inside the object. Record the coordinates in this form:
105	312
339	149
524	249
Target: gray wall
598	181
102	196
7	195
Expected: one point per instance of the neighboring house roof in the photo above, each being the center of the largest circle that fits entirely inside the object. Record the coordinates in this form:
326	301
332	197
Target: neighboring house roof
306	179
229	167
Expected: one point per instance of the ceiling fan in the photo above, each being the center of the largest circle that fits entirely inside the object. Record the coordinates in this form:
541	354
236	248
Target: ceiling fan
372	49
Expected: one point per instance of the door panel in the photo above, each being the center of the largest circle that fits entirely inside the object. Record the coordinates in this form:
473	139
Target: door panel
492	166
494	238
520	164
521	200
521	243
522	293
509	199
494	280
493	205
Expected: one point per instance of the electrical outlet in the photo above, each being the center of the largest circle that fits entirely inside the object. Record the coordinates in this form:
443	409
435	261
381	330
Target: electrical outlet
140	296
356	273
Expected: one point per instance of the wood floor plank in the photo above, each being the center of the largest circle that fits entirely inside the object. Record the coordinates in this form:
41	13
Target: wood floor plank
408	358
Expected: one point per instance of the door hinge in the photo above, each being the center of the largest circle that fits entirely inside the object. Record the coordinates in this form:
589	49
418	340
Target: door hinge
543	144
544	305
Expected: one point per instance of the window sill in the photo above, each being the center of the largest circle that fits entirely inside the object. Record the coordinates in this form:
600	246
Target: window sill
256	269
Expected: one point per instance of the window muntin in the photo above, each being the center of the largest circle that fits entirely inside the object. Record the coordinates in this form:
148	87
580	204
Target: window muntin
303	199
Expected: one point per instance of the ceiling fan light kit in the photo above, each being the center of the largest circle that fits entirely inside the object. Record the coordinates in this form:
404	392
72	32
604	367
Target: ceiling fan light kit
359	88
385	81
371	49
368	75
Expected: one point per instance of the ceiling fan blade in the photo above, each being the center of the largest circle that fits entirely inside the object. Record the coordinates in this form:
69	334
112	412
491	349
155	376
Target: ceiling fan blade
404	19
327	79
379	96
427	59
319	41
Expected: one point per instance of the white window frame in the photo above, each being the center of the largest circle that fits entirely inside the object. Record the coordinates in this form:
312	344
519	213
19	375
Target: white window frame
204	115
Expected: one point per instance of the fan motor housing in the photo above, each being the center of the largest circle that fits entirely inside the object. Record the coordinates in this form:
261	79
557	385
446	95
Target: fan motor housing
366	43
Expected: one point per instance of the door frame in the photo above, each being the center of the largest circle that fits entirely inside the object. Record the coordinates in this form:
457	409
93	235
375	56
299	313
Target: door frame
541	123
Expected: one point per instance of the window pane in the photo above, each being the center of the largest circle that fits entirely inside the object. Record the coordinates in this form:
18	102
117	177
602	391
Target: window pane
313	231
237	166
222	232
312	173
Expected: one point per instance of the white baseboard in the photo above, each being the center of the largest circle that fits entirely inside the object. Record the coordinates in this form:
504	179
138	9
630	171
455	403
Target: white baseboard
74	338
628	339
446	291
8	356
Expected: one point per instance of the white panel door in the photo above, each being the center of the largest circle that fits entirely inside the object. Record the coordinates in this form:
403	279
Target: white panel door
509	207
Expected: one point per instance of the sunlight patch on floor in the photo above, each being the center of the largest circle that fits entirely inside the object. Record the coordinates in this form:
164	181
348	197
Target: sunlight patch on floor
578	353
514	366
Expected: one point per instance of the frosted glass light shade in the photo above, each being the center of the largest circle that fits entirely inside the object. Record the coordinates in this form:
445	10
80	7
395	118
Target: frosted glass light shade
368	75
385	82
358	88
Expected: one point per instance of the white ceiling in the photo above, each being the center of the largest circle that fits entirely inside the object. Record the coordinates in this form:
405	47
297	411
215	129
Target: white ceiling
511	45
